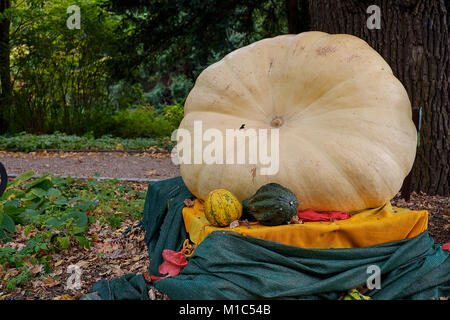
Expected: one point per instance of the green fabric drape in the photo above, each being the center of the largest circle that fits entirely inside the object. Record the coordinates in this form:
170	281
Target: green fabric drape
227	265
128	287
163	220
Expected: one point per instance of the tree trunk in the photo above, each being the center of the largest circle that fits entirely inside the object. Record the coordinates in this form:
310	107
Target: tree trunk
297	16
304	21
292	16
414	40
5	75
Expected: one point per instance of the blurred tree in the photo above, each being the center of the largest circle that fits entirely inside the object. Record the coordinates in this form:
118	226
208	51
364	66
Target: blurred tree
414	39
59	75
174	40
5	75
297	16
187	35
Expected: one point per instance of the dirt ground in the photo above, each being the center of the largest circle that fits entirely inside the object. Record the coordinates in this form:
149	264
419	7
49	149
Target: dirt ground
154	165
438	208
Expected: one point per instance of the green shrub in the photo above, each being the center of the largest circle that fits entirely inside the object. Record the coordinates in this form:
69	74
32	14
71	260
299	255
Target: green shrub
156	95
180	87
30	142
174	113
161	94
140	122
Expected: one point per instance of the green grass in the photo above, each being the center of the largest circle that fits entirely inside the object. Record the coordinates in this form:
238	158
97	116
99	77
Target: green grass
30	142
54	214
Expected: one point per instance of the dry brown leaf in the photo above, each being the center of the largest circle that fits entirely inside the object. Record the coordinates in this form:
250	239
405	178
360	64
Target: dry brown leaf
151	172
189	203
3	297
64	297
50	282
11	272
36	269
152	294
117	271
234	224
294	220
82	264
58	263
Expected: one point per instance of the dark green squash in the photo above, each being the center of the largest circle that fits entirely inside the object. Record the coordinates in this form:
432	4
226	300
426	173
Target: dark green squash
271	205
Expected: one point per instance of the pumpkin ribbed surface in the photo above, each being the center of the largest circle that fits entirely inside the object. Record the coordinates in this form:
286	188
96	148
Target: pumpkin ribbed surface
221	208
346	135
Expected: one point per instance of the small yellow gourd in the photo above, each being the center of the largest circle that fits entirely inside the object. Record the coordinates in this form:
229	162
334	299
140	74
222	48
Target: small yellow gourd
221	207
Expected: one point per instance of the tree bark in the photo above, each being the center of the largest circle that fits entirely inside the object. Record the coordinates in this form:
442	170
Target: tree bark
292	16
5	75
414	40
297	16
304	21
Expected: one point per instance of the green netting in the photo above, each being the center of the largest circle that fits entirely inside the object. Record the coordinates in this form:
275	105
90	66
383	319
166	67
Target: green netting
227	265
163	220
128	287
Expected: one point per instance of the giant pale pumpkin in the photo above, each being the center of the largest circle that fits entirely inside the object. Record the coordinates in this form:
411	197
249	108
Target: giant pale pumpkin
346	137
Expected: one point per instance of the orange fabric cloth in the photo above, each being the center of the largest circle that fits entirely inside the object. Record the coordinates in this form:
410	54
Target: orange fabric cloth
365	228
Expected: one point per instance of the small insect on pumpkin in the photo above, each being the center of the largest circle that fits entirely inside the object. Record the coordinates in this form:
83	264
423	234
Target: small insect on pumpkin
221	207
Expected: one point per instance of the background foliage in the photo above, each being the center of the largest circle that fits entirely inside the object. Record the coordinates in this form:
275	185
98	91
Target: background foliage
127	71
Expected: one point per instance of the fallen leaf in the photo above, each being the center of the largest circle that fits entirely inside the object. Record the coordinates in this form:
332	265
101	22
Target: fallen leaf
152	294
36	269
82	263
58	263
50	282
189	203
37	283
118	271
2	297
11	272
294	220
150	172
234	224
64	297
117	254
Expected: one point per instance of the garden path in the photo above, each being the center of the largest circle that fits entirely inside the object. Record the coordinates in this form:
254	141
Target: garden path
142	166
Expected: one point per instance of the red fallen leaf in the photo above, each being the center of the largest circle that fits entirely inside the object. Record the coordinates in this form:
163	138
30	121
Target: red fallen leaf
150	278
173	263
154	278
171	267
311	215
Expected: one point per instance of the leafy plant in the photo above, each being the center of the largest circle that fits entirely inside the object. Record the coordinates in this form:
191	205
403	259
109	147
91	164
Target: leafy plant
174	113
55	214
38	202
31	142
141	122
